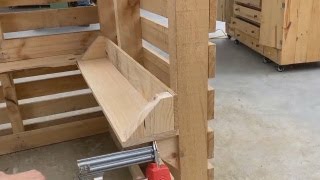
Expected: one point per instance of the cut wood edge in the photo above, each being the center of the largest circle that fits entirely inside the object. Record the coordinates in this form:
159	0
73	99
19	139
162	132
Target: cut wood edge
96	50
210	171
210	139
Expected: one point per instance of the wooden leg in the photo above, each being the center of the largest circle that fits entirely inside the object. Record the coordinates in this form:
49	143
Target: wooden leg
11	100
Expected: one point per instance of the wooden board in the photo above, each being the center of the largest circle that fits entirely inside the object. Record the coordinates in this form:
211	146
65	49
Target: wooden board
46	46
129	27
155	6
59	133
31	89
30	20
188	49
123	105
9	3
272	16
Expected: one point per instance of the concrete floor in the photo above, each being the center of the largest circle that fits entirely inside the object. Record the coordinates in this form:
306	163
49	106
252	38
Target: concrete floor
267	123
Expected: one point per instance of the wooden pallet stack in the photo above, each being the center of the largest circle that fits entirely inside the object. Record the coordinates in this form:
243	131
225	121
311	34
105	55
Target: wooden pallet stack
283	31
135	92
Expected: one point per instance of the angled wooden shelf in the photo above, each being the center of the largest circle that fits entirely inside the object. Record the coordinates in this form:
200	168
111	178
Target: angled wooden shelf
138	109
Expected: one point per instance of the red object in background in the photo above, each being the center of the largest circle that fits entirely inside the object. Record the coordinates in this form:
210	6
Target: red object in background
155	172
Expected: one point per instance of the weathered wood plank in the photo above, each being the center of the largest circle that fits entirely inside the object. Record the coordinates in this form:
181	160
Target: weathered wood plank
46	46
159	7
188	49
107	19
129	27
9	3
155	33
36	138
10	96
30	20
56	106
50	86
45	62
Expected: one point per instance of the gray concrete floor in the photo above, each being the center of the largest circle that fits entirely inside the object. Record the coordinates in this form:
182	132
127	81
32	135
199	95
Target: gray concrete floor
58	161
267	123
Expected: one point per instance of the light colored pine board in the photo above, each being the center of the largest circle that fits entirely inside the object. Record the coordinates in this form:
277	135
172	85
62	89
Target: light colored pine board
212	60
211	98
210	141
213	15
150	86
96	50
42	71
157	65
61	121
10	96
159	7
188	49
129	27
244	12
9	3
155	33
246	27
271	23
313	53
251	3
4	118
56	106
45	62
36	138
30	20
46	46
50	86
107	19
210	171
126	109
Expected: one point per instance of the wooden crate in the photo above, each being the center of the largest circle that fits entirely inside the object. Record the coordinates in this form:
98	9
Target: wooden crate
140	78
283	31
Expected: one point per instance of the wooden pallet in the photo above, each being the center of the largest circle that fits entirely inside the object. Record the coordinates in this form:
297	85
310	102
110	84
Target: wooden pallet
72	84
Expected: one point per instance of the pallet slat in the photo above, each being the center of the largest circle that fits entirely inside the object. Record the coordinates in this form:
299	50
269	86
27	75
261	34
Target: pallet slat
64	132
9	3
50	86
56	106
30	20
46	46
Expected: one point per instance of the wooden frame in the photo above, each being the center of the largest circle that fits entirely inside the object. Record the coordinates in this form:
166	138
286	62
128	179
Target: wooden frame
137	92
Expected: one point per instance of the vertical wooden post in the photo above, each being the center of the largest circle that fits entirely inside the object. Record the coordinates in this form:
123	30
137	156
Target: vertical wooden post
107	19
129	33
188	49
11	100
10	96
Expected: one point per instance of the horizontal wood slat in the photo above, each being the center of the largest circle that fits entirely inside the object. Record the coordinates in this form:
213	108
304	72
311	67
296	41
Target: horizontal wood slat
56	106
159	7
8	3
46	62
30	20
58	121
50	86
46	46
53	134
155	33
42	71
4	118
